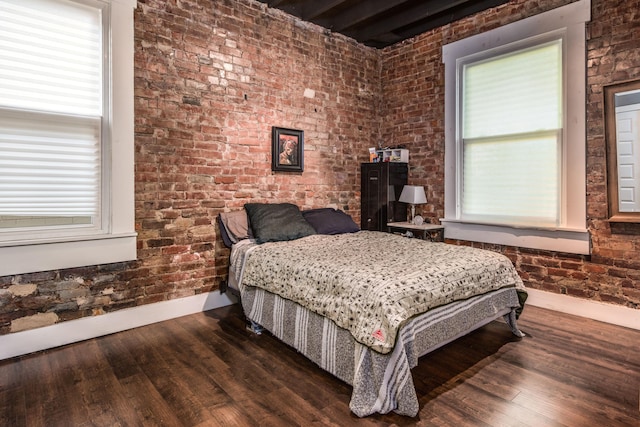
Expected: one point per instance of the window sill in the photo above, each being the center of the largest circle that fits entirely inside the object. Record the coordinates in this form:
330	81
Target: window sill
558	240
61	255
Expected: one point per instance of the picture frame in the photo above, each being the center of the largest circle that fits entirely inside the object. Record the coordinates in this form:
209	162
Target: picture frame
287	150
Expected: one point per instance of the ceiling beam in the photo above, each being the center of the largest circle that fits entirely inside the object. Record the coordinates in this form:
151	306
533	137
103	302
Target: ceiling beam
359	12
405	18
313	9
467	9
380	23
275	3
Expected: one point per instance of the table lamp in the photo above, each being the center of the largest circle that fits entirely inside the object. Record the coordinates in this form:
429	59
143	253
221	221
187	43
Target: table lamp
414	195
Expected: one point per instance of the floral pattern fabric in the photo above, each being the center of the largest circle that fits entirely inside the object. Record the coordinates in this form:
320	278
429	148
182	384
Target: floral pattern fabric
371	283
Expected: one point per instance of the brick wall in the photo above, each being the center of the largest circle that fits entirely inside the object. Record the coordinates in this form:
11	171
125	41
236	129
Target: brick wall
413	86
211	79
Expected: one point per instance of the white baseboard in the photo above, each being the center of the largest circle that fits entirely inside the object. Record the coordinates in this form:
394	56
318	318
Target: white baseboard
25	342
603	312
20	343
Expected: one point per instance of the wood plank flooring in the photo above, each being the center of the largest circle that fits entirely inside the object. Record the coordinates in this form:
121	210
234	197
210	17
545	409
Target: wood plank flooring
206	369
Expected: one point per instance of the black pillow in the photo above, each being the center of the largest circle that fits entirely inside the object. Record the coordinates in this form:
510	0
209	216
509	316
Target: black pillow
276	222
330	221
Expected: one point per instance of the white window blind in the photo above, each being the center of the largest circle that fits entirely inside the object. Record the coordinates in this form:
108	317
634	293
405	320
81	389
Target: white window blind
551	160
66	92
511	130
49	165
51	106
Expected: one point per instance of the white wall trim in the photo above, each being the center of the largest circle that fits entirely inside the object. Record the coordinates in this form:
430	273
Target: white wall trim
570	19
21	343
79	252
571	241
595	310
117	242
25	342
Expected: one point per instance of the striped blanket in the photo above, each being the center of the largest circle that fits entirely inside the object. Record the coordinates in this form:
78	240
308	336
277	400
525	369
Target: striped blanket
381	381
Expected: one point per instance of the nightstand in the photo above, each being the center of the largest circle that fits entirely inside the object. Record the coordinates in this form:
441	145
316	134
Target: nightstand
432	232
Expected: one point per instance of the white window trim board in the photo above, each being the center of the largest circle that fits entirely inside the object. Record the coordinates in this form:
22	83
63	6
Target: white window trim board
63	333
575	237
119	244
43	338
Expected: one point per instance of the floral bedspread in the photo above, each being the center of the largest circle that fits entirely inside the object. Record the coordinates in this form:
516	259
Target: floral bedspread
371	283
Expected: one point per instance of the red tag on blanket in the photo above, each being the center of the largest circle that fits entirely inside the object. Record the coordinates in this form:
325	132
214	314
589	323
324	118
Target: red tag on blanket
378	334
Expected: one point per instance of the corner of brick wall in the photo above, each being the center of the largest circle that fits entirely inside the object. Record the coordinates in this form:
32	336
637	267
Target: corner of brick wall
413	77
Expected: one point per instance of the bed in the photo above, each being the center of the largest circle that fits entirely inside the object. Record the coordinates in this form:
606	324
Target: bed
363	305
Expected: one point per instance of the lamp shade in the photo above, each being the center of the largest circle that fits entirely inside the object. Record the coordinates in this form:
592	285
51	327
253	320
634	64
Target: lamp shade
413	194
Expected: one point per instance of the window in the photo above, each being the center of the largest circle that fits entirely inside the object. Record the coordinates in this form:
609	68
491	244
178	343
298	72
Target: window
63	131
511	136
515	133
52	111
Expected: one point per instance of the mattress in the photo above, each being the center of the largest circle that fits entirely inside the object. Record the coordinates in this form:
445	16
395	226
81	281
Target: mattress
381	380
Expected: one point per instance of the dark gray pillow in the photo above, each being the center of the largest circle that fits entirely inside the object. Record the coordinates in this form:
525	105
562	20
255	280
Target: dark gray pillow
274	222
330	221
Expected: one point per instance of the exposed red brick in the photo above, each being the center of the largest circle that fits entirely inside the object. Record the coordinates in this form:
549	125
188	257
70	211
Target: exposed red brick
413	86
210	85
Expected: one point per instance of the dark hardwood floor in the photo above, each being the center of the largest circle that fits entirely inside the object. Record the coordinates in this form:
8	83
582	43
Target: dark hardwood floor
208	370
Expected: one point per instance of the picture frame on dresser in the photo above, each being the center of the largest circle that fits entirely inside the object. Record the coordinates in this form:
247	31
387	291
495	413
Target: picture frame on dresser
287	150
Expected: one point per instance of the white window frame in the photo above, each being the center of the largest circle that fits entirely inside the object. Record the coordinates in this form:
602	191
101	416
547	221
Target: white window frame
571	235
116	242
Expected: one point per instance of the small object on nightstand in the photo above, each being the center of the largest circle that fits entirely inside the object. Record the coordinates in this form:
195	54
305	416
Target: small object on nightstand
418	220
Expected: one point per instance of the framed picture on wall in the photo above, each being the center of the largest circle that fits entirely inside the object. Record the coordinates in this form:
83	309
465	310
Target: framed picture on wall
287	150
